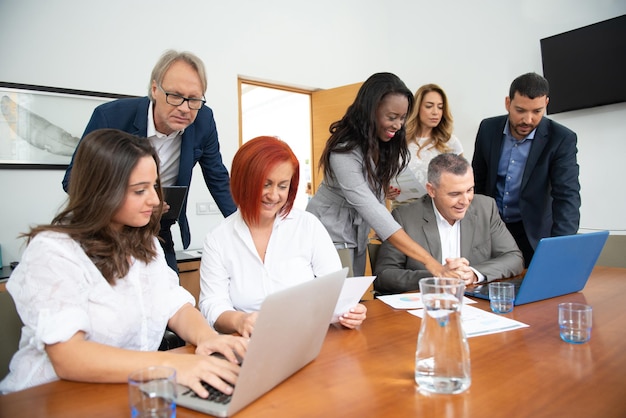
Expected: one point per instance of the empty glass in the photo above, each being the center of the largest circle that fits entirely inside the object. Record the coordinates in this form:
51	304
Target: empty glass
501	297
575	322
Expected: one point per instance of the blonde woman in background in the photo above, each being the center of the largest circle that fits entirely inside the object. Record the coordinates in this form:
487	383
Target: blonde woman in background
428	133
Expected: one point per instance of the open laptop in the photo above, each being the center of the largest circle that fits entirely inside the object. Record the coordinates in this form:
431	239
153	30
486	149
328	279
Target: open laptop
561	265
288	334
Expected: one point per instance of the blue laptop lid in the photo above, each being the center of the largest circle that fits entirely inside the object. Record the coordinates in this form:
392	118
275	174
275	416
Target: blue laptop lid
561	265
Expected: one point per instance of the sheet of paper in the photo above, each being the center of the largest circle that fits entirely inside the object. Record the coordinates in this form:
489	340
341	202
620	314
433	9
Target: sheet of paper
351	293
410	300
479	322
410	187
194	253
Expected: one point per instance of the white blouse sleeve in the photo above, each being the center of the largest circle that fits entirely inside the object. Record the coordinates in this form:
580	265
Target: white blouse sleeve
325	258
176	296
51	288
214	281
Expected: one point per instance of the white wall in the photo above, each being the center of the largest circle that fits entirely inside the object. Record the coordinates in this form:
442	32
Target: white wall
473	49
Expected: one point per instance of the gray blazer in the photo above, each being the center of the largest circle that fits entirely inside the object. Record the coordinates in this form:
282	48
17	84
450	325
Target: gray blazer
485	242
347	206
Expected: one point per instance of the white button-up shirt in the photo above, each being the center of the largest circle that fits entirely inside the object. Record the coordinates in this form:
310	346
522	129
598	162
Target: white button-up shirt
233	276
58	292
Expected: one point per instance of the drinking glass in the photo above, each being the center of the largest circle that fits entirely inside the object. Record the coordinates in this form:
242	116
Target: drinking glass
152	392
575	322
501	297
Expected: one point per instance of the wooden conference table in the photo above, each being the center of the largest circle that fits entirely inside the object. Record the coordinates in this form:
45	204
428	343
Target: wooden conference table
527	372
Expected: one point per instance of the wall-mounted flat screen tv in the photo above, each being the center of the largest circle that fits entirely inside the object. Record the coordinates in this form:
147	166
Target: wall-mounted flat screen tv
586	67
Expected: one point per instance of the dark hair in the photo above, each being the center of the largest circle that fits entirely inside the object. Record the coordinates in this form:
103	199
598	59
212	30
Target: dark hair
251	166
446	163
357	130
530	85
103	164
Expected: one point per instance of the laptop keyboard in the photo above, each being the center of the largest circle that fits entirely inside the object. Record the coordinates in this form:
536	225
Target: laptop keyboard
214	395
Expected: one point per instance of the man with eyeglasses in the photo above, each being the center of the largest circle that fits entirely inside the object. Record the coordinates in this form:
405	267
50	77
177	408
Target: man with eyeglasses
180	127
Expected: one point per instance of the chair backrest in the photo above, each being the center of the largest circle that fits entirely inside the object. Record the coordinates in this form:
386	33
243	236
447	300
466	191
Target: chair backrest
346	259
10	331
372	249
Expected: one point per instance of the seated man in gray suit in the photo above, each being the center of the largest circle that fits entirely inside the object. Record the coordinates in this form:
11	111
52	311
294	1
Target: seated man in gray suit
458	228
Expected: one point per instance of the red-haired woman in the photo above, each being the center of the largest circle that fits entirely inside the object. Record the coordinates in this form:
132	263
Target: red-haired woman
267	245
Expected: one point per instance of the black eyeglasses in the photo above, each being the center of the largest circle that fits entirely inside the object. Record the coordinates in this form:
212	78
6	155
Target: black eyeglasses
177	100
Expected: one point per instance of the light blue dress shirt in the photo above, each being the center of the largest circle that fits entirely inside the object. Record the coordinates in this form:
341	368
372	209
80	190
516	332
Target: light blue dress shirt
510	171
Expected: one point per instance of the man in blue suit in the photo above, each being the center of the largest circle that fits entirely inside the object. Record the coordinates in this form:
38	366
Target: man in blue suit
176	121
527	162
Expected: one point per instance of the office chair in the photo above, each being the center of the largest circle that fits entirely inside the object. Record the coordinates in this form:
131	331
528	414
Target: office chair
171	340
10	331
346	260
372	250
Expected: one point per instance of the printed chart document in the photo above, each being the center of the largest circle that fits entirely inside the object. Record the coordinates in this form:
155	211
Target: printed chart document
478	322
410	300
351	293
410	187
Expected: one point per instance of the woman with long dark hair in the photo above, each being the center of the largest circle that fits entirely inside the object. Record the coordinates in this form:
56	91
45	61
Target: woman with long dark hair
366	150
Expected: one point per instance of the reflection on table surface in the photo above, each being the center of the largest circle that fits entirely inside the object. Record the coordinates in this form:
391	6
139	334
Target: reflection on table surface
369	372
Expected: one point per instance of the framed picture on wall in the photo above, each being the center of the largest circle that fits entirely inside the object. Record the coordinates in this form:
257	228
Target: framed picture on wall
40	126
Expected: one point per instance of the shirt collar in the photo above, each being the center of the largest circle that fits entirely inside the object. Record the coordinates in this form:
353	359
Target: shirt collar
441	221
151	130
277	222
507	132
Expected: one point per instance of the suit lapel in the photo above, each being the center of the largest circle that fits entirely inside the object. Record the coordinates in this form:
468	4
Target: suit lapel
186	156
495	151
431	232
468	226
141	118
539	143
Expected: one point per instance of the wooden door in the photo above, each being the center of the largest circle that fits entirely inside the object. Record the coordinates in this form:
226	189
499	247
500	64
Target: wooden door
327	106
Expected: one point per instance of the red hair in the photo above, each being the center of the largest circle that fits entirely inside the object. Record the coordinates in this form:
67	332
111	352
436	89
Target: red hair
251	166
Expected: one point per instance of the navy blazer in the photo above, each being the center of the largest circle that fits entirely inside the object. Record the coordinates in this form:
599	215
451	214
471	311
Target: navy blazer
485	242
199	145
550	190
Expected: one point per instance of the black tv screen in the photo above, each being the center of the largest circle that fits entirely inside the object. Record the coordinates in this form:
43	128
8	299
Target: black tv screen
586	67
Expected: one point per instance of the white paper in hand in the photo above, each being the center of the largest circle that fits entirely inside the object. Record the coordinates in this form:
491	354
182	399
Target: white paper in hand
410	187
351	293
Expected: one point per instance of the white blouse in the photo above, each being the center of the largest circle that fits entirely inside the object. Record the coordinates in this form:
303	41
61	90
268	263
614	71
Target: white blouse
233	276
58	292
419	165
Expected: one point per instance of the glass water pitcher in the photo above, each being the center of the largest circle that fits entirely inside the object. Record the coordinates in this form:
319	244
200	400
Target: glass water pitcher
442	359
